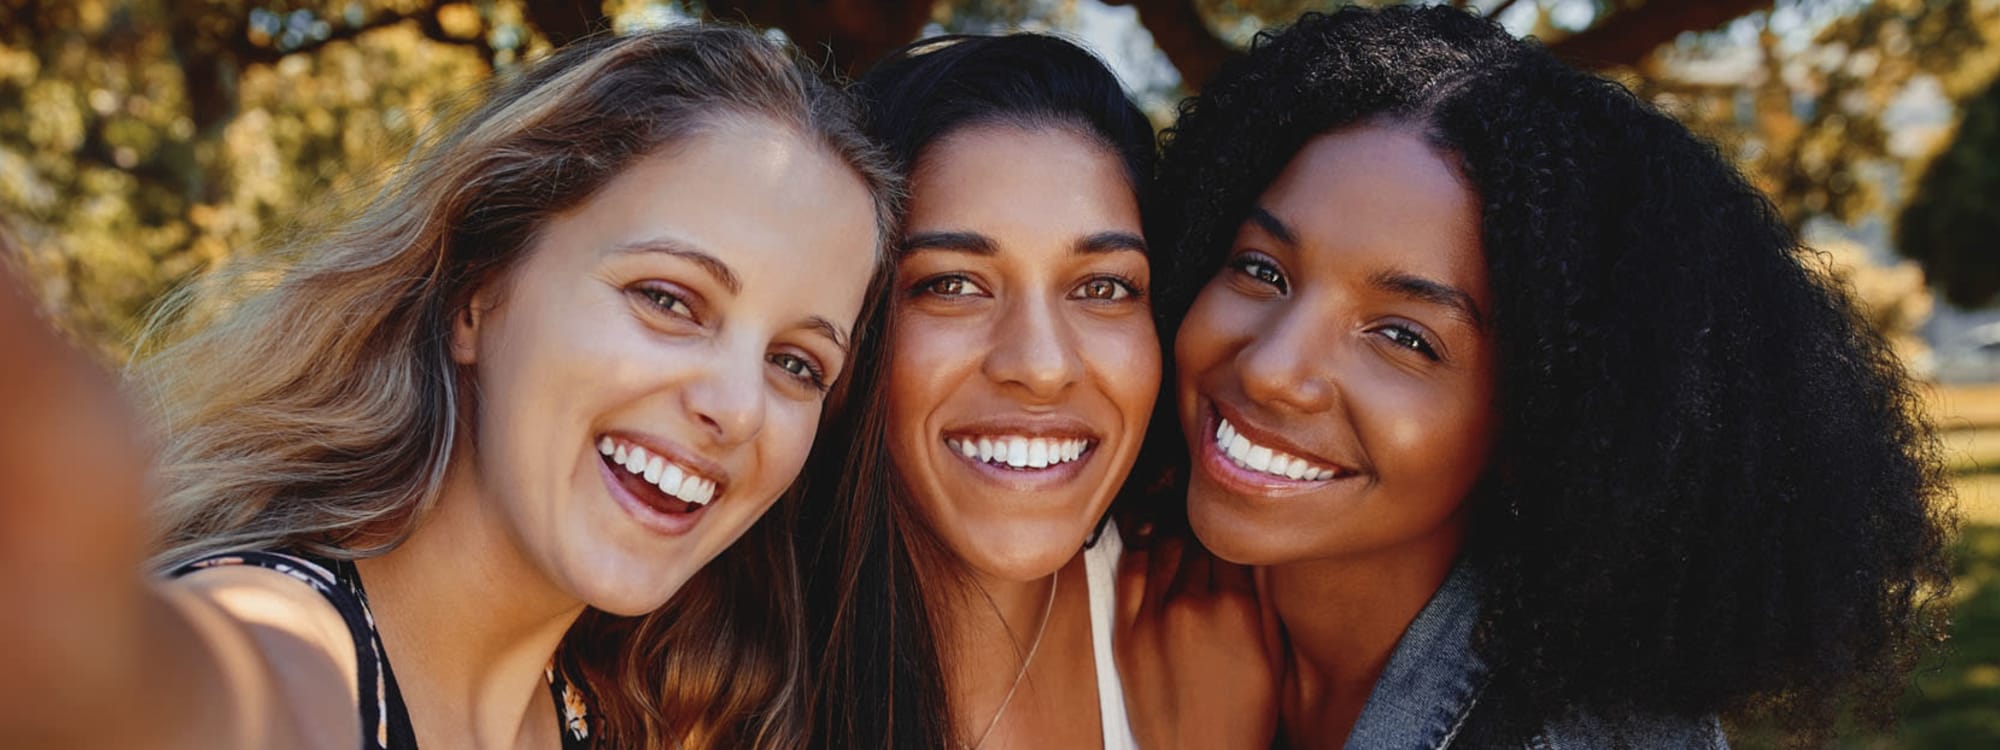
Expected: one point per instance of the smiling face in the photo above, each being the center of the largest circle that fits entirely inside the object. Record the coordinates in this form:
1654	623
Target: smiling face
1336	377
650	376
1024	362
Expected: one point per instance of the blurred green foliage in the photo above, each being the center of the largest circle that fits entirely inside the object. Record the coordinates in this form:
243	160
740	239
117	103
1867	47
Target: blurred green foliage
1951	223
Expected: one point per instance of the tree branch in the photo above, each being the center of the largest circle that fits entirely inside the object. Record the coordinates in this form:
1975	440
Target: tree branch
565	21
251	54
1180	31
855	32
1501	8
1627	37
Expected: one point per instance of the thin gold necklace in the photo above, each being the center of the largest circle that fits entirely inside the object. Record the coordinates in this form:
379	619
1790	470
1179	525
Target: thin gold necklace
1032	647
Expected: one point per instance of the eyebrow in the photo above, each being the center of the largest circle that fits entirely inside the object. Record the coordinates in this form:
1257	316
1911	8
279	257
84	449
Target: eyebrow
670	246
1432	292
826	328
1110	242
979	244
957	242
1270	224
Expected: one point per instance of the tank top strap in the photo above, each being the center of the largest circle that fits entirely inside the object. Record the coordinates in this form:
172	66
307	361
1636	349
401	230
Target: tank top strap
385	722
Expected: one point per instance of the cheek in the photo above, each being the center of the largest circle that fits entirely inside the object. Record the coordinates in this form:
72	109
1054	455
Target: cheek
1433	437
928	357
1212	324
790	430
1125	354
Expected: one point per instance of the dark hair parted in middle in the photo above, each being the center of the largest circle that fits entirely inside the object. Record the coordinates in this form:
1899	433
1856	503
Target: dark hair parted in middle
868	557
1712	488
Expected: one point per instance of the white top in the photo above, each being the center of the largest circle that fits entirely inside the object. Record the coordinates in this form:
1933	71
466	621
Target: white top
1100	568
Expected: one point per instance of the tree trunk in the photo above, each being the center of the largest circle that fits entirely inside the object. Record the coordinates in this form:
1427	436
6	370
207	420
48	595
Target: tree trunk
1625	38
854	33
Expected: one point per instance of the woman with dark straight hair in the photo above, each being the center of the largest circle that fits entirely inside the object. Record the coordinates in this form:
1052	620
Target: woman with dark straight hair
1538	423
959	588
504	428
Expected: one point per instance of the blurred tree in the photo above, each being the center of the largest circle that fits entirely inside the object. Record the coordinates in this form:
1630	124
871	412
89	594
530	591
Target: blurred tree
1952	223
142	141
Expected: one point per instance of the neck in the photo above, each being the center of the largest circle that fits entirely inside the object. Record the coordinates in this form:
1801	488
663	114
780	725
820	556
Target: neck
469	624
1342	618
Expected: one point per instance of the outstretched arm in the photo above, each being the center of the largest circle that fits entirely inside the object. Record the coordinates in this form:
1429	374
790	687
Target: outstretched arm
95	653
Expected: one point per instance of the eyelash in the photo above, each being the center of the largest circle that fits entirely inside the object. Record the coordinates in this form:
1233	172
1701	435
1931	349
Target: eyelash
1249	265
1407	338
930	286
1131	287
813	376
665	300
1133	291
673	304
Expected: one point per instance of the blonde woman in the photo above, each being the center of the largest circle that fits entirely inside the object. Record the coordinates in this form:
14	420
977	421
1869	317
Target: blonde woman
500	431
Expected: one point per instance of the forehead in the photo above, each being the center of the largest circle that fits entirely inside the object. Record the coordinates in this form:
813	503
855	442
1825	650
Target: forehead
1381	193
789	218
1025	180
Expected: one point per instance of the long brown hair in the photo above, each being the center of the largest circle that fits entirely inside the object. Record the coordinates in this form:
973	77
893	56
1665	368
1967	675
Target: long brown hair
312	404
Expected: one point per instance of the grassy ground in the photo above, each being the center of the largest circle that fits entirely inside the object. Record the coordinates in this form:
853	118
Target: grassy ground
1955	700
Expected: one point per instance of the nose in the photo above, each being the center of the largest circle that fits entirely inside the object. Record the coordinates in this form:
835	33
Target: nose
727	397
1288	364
1033	350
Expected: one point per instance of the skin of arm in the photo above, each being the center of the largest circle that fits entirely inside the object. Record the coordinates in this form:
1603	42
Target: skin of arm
99	656
1197	649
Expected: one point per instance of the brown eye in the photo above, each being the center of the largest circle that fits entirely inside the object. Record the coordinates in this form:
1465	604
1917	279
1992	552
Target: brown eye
1104	288
952	285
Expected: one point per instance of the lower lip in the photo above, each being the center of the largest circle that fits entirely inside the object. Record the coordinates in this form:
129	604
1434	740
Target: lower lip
1242	481
1026	479
653	519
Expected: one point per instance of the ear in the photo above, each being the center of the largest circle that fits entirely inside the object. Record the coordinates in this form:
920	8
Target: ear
465	329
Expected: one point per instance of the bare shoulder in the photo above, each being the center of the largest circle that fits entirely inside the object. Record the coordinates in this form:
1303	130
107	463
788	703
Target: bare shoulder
284	650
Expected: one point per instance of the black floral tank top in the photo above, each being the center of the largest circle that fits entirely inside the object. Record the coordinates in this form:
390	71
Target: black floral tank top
385	723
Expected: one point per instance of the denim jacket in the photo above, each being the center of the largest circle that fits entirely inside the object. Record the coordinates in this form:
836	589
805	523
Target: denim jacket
1430	694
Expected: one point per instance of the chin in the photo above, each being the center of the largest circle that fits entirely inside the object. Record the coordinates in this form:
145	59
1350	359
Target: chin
1227	533
628	589
1031	555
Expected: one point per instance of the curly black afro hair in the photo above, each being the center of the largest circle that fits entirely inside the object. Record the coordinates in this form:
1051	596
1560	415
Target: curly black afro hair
1714	489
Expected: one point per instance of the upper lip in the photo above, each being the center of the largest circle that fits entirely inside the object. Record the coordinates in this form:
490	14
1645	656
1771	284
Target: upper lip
675	453
1274	440
1025	425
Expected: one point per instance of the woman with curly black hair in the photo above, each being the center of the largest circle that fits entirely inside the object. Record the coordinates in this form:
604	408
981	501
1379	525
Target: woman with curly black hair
1536	419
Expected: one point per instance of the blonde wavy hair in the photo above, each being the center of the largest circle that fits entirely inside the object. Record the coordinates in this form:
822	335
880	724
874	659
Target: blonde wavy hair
312	404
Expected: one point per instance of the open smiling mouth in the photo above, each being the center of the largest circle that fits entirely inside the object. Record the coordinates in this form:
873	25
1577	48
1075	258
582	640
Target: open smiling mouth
1020	452
1247	460
662	485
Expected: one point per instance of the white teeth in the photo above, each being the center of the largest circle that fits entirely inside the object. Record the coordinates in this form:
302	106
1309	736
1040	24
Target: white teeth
1239	448
1260	458
1020	452
670	480
656	470
1263	459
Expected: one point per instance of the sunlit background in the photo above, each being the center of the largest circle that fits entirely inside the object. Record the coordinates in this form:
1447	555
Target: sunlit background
144	141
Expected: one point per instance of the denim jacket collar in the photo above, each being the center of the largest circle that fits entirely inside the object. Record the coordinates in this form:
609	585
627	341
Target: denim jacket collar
1433	678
